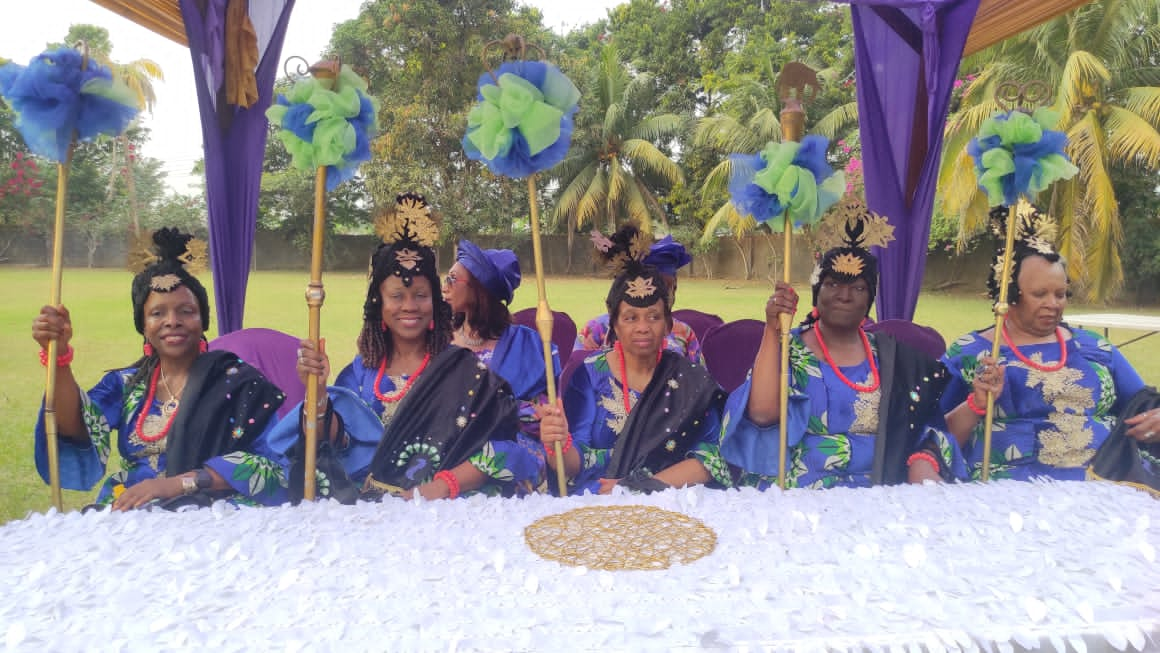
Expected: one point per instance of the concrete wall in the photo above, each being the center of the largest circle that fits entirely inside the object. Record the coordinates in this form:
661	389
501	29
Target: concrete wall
274	252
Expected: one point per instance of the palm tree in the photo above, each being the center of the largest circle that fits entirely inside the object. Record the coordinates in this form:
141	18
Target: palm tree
1101	60
616	166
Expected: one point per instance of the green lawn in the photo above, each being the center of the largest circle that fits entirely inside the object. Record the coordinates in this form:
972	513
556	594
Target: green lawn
105	338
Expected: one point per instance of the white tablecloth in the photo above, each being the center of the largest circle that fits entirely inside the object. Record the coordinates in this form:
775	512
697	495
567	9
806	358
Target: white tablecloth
1060	565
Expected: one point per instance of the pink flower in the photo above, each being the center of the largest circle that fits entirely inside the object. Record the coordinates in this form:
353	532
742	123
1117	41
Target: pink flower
958	84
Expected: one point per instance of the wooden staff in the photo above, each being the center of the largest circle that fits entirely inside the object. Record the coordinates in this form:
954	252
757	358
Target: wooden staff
544	322
315	296
50	431
1001	308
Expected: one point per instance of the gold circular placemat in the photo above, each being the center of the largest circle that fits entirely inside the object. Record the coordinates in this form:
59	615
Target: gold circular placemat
620	537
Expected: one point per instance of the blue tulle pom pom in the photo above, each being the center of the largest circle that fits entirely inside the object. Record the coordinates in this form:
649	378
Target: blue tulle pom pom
59	94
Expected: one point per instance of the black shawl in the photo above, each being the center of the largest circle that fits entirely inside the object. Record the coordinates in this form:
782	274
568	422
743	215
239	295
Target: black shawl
454	408
911	384
666	421
1125	460
224	407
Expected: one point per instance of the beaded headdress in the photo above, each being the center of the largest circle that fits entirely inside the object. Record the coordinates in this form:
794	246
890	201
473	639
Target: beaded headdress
849	233
1034	235
623	254
409	233
164	261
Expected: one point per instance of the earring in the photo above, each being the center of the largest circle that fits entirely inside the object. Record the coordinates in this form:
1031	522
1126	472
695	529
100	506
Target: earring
202	346
383	325
147	349
431	325
814	313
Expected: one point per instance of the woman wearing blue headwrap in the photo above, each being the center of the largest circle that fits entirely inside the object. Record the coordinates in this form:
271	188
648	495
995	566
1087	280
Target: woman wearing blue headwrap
479	287
666	256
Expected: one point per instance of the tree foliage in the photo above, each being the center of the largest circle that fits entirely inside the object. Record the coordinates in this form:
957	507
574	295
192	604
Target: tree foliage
1101	62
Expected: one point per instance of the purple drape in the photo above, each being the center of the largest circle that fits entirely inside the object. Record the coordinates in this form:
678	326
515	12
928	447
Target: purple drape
235	143
906	57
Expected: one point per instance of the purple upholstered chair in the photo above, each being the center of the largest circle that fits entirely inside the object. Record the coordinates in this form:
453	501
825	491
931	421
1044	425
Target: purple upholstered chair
729	350
563	329
700	321
922	338
573	363
274	353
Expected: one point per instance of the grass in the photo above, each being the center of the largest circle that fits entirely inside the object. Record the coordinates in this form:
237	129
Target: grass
105	338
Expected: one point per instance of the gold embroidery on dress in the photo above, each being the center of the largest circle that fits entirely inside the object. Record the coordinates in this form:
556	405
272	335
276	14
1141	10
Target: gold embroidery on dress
391	407
1066	442
866	408
151	451
615	407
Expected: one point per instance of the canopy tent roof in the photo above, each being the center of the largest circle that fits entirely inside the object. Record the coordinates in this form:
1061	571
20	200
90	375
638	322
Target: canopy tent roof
995	20
907	54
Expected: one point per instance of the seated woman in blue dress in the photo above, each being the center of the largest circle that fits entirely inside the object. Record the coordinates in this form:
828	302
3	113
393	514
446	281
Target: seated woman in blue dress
638	414
859	403
411	411
479	287
667	256
191	424
1058	390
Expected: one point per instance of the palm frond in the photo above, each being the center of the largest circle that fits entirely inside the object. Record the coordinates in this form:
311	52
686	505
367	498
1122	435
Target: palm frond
765	127
570	197
617	180
835	122
643	155
1087	148
660	127
593	200
1130	139
1144	102
613	121
717	181
1082	73
637	207
1072	236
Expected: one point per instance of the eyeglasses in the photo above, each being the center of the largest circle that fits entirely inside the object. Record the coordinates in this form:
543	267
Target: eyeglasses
450	279
857	289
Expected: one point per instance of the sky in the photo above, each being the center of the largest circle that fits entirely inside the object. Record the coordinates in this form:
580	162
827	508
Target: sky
176	131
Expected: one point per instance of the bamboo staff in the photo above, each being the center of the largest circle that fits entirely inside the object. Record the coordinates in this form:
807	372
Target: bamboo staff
54	299
315	296
544	322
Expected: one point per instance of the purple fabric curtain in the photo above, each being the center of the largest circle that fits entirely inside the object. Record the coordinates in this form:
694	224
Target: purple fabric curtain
235	143
906	57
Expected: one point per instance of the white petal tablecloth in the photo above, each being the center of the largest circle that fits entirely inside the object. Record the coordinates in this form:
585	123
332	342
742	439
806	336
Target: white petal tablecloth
1003	566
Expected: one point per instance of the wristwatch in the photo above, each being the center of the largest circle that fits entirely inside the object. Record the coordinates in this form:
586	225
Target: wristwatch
201	480
188	484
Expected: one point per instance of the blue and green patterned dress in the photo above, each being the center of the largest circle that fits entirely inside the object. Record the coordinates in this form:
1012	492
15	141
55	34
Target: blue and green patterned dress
1046	423
594	405
511	465
831	428
256	472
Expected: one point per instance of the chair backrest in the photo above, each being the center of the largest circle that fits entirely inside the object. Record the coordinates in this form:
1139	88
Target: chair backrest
563	329
922	338
729	350
700	321
573	363
274	354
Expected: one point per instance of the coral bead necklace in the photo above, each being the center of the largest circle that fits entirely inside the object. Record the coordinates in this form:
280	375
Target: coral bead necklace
397	395
837	370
